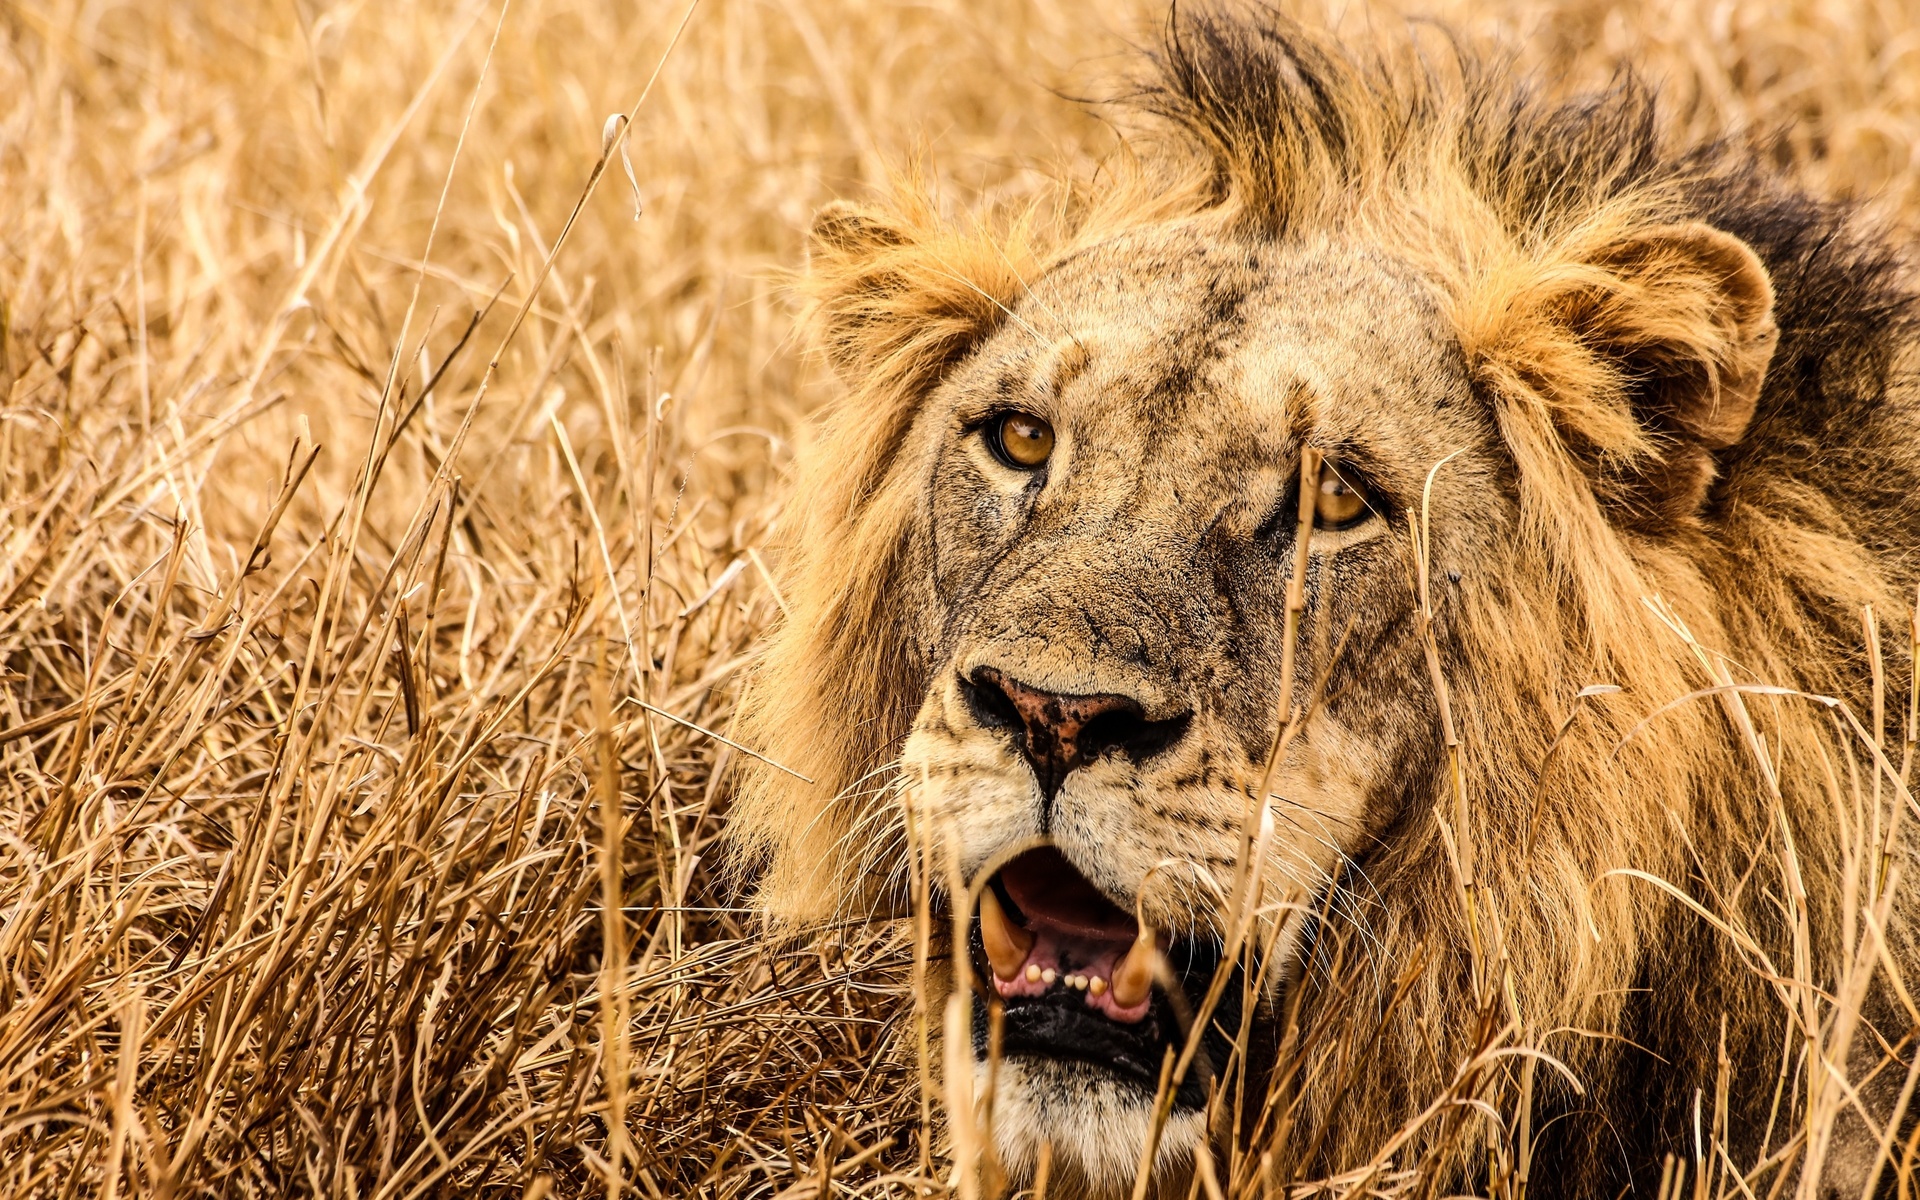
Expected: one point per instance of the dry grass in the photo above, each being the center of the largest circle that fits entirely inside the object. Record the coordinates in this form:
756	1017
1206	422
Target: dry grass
331	589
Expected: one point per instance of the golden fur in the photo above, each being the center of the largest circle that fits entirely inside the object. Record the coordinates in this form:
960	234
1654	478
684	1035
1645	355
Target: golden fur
1685	406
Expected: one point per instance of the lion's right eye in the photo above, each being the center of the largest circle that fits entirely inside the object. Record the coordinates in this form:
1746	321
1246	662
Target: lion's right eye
1021	440
1343	501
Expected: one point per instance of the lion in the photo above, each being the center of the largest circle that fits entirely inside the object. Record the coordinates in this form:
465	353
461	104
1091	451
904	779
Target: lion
1434	523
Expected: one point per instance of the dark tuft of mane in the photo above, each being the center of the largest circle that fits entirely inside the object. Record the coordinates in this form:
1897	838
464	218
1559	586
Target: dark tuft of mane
1288	117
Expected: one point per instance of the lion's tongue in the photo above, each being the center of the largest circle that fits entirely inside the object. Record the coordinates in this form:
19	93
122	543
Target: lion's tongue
1057	898
1078	934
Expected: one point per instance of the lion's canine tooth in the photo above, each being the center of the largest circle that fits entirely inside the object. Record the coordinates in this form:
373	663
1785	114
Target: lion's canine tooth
1133	978
1007	944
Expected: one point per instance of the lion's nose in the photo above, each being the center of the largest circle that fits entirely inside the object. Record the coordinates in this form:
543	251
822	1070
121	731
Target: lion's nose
1064	733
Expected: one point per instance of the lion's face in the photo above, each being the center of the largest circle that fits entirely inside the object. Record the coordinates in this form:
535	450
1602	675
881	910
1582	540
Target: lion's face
1112	490
1038	610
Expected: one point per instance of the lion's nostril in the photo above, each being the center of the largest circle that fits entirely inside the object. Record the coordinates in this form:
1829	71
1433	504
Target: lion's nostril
1062	733
987	702
1130	732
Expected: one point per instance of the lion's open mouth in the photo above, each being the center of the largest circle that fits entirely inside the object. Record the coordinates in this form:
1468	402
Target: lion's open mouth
1077	980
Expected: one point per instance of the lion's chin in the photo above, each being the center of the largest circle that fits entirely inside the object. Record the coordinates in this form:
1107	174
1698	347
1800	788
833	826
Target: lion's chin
1096	1124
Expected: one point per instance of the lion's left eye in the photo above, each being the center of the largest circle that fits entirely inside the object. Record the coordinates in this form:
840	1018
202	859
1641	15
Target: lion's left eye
1021	440
1343	501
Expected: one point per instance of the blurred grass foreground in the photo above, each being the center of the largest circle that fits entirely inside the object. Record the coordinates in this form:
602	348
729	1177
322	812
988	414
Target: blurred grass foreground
385	536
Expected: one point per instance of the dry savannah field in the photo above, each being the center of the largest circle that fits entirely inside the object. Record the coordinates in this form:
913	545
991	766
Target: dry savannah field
393	449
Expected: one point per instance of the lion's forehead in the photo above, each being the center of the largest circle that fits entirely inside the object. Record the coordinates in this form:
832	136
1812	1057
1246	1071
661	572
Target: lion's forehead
1218	338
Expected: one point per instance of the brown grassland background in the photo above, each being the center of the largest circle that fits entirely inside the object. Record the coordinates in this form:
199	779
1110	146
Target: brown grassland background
346	526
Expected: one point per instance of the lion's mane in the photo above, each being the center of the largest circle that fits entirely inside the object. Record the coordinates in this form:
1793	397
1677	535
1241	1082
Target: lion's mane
1505	196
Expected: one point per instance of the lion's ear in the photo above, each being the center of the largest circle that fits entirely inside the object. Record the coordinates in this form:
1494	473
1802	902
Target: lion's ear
1650	350
842	229
897	293
1691	327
